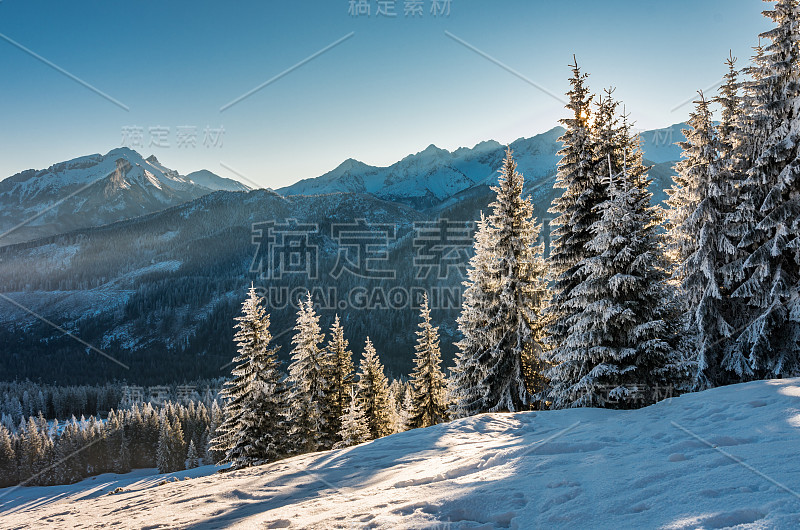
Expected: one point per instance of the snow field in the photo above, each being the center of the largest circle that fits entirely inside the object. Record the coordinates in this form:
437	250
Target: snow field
724	458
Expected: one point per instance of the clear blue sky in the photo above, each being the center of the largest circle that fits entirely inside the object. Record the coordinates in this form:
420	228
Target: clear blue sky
394	87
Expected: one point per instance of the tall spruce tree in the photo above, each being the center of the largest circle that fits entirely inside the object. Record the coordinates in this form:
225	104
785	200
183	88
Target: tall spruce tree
254	429
575	209
118	450
373	392
399	418
216	418
735	157
192	460
171	446
344	372
429	405
463	383
68	452
701	201
501	319
354	429
31	451
617	353
771	339
313	393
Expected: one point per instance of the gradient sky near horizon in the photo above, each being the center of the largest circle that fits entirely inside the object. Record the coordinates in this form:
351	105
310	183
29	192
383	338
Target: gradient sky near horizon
391	89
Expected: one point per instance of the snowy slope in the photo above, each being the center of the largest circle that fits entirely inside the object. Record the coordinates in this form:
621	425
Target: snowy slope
724	458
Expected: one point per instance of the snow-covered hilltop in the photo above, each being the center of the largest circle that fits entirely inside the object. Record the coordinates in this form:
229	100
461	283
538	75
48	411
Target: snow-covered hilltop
722	458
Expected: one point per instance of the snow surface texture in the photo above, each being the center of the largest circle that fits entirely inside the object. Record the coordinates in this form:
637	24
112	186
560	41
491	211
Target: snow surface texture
724	458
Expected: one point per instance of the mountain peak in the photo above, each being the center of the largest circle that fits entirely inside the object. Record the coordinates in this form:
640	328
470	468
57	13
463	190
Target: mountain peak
348	165
122	152
487	144
429	152
433	150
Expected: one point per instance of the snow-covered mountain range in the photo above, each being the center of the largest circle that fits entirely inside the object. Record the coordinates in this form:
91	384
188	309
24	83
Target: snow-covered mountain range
723	458
99	189
434	175
95	190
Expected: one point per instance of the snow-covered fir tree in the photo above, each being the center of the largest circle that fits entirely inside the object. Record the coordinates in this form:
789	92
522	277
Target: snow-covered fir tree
501	319
617	352
354	429
575	209
117	444
771	339
406	408
31	452
463	382
192	460
344	371
312	377
171	453
72	468
398	416
741	136
254	429
701	202
373	393
429	405
734	147
216	419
